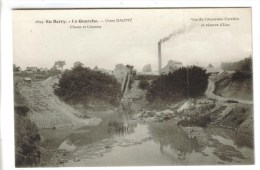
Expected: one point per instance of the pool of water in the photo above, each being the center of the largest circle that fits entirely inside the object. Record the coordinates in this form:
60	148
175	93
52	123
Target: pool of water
120	141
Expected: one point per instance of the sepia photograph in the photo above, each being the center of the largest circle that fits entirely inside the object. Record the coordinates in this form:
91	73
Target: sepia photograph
133	87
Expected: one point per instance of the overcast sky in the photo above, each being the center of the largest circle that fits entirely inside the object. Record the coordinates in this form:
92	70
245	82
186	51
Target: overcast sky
133	42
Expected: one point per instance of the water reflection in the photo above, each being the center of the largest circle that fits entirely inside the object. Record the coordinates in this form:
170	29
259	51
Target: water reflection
168	134
121	128
169	142
112	124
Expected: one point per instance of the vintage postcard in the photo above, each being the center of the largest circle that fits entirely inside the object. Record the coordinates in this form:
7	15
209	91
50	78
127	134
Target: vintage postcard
133	87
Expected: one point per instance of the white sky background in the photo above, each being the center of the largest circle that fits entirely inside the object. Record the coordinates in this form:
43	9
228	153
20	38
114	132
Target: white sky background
132	43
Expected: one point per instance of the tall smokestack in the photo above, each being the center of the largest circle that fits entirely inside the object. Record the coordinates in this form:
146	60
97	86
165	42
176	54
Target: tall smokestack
159	58
163	40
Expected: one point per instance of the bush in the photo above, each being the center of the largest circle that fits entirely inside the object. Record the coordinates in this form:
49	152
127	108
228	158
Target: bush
242	65
241	76
146	77
27	139
21	110
53	72
82	85
185	82
143	84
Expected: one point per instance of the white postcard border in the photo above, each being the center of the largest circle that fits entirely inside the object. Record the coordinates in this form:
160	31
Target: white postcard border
6	102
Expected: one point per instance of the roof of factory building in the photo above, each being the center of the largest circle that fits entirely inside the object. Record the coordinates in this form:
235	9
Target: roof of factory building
171	66
174	61
213	70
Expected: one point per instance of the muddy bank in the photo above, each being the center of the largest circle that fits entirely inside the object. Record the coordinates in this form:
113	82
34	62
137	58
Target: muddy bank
153	130
203	113
229	87
54	118
55	150
48	111
213	124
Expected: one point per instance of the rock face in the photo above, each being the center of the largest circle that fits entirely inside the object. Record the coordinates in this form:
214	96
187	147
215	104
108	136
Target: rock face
238	89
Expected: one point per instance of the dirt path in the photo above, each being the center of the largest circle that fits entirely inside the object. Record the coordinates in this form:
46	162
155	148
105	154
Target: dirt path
209	93
48	111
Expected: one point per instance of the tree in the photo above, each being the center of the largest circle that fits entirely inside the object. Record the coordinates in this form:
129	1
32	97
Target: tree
57	68
143	84
147	68
78	64
183	83
210	66
16	68
59	64
82	85
242	65
54	71
27	139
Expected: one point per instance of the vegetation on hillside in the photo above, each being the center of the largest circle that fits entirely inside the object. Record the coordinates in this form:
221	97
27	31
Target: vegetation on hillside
242	65
81	85
185	82
16	68
238	84
56	68
27	138
143	84
241	76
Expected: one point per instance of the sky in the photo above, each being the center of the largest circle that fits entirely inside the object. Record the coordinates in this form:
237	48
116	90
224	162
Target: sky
134	42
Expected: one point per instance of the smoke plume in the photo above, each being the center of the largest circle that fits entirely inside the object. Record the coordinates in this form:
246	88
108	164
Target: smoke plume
182	30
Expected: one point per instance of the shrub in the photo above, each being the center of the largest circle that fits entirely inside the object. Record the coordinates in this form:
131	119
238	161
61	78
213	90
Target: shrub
54	71
143	84
82	85
27	139
240	76
21	110
242	65
185	82
146	77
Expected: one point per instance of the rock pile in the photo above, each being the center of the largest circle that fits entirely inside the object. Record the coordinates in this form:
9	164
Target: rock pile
157	116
